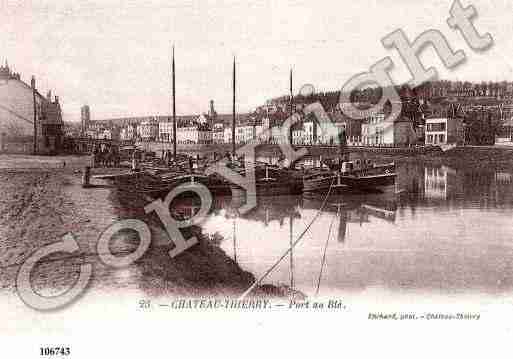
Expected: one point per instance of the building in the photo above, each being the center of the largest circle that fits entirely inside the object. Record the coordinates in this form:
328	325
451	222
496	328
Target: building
352	127
440	131
212	112
194	133
227	135
481	127
204	134
379	131
128	132
148	130
72	130
29	122
244	132
85	117
113	133
218	133
505	133
166	131
298	133
246	128
262	128
52	125
308	130
404	132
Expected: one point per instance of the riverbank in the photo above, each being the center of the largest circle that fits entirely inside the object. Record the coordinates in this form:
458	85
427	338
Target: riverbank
43	200
462	154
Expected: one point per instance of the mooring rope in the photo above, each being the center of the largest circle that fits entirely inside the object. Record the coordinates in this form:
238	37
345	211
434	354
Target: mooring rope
319	211
324	253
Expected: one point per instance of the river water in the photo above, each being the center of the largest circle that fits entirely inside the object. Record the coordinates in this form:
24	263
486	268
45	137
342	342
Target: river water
443	229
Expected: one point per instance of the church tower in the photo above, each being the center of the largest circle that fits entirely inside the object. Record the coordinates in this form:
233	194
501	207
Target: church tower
212	112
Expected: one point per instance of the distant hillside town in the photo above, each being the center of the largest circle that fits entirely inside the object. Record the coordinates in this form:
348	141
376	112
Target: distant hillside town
440	113
437	113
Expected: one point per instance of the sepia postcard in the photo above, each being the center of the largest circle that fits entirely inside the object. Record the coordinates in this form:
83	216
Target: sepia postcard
256	178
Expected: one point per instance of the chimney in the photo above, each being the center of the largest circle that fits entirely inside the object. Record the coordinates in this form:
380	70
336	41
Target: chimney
33	82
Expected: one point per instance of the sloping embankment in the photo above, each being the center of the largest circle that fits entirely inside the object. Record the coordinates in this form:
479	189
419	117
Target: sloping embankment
39	206
203	270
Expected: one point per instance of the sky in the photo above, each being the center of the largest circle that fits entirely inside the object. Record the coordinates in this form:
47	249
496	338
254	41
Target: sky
115	56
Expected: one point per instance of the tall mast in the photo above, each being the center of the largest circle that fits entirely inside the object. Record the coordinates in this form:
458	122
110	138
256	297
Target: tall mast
234	115
291	106
291	243
291	94
292	215
174	105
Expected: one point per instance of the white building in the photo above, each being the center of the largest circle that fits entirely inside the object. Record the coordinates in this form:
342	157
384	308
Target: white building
109	134
441	131
128	133
187	134
377	131
331	134
194	133
227	134
310	132
218	133
436	131
165	131
205	135
298	134
262	129
244	133
148	130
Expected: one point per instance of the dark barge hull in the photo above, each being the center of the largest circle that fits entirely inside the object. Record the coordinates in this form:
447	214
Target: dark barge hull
273	182
344	184
149	187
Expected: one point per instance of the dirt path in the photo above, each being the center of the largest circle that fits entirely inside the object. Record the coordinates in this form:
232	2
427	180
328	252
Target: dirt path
39	206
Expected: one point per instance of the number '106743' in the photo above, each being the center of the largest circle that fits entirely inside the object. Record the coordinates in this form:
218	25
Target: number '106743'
55	351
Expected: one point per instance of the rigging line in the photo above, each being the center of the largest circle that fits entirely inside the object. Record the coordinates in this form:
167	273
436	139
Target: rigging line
324	253
319	211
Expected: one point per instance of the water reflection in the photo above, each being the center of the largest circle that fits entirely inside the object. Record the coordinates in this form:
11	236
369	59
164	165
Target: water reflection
440	228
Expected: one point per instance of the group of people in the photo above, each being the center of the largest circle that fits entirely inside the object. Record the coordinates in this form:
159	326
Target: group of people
106	156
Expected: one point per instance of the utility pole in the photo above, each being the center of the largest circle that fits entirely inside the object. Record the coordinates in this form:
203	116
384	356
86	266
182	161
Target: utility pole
174	105
33	83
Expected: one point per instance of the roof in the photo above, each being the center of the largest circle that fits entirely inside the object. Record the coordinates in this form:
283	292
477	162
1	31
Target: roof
24	84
